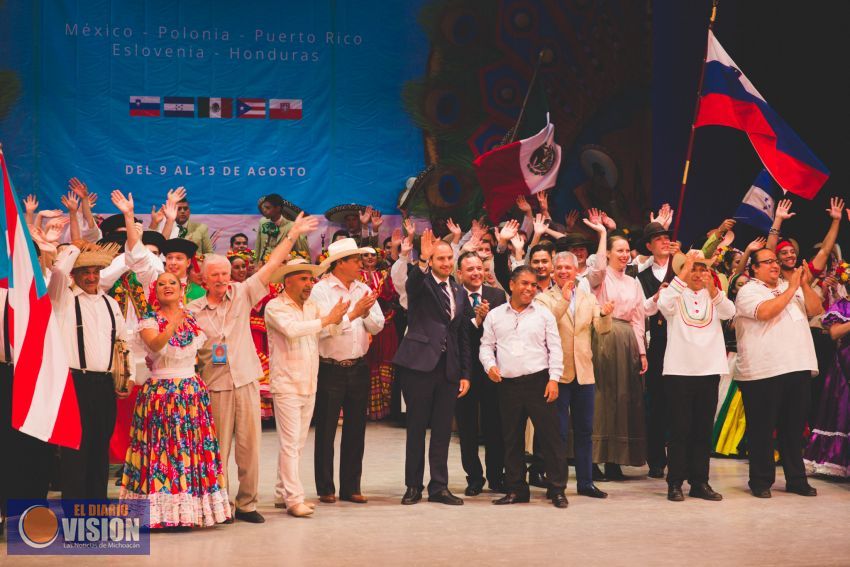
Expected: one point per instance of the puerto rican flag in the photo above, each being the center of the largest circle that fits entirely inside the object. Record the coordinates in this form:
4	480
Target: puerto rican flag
525	167
44	402
758	206
728	98
144	105
285	108
250	108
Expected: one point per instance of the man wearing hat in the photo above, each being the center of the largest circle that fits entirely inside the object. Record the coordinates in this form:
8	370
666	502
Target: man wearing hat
693	362
356	218
278	216
343	382
294	324
580	246
90	322
654	277
229	365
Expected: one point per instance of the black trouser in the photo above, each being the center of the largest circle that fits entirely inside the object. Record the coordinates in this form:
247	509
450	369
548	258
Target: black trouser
483	396
345	388
430	397
519	399
25	473
85	473
656	406
779	403
692	401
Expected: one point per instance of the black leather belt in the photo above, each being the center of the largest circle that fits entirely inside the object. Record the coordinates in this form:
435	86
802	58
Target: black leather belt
343	363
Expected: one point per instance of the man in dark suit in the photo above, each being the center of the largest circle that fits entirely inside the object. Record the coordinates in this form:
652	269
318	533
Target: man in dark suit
433	362
483	393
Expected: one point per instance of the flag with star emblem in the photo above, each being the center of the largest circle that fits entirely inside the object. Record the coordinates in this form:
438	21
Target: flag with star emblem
759	204
179	107
250	108
144	106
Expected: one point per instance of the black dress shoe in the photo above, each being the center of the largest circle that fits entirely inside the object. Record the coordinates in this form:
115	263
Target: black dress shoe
803	489
674	494
614	472
704	491
251	517
473	489
593	492
598	475
411	496
559	500
512	498
761	492
656	472
538	480
445	497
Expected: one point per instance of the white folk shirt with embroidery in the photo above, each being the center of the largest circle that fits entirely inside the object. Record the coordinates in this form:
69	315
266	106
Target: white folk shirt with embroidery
349	339
695	345
293	345
777	346
97	326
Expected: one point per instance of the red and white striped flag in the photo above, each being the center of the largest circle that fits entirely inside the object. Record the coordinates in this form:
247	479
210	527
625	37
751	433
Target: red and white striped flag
44	402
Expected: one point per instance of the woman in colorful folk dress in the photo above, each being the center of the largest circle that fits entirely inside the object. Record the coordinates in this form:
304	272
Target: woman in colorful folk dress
173	460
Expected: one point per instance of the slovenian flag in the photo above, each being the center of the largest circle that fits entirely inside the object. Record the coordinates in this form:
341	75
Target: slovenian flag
144	106
215	107
728	98
250	108
524	167
44	401
758	206
179	107
285	109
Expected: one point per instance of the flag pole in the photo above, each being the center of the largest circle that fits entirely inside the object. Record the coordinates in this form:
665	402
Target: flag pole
680	206
510	135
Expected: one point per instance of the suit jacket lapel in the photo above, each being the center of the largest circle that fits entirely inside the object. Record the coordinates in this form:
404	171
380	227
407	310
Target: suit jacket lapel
436	291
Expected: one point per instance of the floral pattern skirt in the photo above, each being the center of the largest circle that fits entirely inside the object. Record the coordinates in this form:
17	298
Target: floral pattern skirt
173	460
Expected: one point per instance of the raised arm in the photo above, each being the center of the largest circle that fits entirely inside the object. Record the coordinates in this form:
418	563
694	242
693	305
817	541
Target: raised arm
756	244
72	203
597	273
302	225
835	210
783	213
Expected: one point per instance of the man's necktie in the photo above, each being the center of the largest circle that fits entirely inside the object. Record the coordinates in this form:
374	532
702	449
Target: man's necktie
182	231
476	299
445	298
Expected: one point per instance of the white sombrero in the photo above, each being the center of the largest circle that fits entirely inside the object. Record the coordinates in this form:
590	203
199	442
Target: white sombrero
342	248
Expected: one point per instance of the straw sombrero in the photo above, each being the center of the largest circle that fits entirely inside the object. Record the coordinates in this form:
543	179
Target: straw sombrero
96	255
293	266
679	262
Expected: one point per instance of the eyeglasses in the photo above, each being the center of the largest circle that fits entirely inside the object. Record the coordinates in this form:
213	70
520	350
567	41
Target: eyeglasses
769	262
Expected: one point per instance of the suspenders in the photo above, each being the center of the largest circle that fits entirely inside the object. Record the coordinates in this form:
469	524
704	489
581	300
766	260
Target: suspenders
81	350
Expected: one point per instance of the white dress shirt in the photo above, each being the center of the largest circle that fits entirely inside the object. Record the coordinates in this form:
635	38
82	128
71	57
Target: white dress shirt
293	345
97	326
523	342
349	339
446	290
398	273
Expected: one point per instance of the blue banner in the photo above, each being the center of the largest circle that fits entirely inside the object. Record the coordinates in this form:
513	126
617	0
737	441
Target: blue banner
232	100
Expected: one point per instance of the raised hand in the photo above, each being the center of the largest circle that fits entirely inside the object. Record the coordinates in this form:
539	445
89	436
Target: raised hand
78	187
407	245
756	244
783	210
836	205
426	244
51	213
508	231
523	205
396	238
479	228
594	221
366	215
543	200
728	225
377	219
454	229
157	216
518	243
71	202
539	224
169	210
665	216
571	219
409	227
31	204
303	225
54	229
608	221
122	203
176	195
92	200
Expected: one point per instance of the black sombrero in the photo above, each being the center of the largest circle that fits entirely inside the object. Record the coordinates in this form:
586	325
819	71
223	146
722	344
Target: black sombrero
337	214
187	247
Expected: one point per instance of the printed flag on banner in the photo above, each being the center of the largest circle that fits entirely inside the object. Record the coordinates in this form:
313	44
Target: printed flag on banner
285	109
525	167
250	108
179	107
758	206
144	105
44	401
728	98
215	107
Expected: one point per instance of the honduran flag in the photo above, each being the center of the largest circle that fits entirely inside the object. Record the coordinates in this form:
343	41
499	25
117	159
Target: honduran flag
144	106
524	167
758	206
179	107
44	402
728	98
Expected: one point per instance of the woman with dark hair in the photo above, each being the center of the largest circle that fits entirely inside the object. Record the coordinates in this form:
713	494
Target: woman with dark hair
619	424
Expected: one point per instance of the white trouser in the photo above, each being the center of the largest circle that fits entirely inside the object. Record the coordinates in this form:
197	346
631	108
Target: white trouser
292	413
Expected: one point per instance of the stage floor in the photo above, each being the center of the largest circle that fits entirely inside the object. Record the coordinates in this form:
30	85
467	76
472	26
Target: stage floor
636	525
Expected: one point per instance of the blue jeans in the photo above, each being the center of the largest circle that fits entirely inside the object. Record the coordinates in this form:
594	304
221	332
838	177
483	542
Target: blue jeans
576	401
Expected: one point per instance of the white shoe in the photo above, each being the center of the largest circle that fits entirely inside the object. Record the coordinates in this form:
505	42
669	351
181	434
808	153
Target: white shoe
300	510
